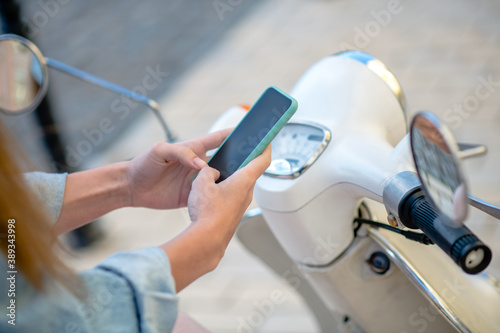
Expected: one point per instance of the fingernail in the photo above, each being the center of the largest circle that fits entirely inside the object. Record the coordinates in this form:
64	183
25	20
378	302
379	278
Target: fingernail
199	163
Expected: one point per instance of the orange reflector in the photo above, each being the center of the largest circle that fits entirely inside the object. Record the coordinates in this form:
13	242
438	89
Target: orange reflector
246	106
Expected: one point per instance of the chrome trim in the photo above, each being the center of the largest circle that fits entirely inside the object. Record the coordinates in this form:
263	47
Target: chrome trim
97	81
417	279
327	136
251	213
467	150
397	188
379	68
484	206
45	83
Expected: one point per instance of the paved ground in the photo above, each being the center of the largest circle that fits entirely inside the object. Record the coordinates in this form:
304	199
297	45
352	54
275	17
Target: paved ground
144	46
440	51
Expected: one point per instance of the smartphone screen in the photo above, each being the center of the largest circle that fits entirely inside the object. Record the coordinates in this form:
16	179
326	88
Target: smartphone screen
254	133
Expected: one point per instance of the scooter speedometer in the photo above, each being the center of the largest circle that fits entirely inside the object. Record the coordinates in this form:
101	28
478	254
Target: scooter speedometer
296	148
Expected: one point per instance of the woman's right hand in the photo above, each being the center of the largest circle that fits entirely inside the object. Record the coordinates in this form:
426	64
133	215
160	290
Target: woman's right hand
215	210
224	204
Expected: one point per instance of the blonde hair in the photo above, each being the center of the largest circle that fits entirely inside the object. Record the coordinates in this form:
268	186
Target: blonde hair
34	238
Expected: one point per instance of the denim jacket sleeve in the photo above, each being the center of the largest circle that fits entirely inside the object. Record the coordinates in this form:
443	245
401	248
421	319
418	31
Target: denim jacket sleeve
49	188
130	291
151	289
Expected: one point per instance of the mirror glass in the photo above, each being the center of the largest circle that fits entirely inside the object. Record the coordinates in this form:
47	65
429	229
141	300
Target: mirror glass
435	152
23	76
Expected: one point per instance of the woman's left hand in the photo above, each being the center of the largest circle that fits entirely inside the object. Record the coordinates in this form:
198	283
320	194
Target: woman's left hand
161	176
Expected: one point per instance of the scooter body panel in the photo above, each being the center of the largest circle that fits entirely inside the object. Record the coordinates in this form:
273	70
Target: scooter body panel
366	122
312	215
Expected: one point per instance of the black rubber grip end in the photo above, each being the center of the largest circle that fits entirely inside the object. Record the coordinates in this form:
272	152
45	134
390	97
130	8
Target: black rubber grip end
472	255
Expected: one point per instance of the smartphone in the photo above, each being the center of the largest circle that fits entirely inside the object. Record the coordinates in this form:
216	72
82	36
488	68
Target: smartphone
254	132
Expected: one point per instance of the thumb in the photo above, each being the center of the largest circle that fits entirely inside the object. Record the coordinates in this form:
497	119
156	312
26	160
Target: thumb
256	167
203	190
206	175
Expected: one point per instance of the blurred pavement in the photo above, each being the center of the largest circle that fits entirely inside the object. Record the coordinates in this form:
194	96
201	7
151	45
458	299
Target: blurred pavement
143	46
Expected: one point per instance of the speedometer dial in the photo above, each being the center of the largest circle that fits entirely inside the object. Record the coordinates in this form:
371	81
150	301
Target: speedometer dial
295	148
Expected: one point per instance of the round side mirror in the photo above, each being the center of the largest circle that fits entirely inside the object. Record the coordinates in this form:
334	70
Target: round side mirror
23	75
436	156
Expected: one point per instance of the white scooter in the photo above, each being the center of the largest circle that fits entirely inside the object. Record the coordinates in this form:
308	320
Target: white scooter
340	167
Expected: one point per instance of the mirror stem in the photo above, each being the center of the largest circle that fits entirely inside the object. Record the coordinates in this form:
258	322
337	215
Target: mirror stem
153	105
470	150
484	206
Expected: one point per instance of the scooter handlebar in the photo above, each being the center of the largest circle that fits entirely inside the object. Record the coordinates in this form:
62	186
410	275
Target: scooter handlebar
460	243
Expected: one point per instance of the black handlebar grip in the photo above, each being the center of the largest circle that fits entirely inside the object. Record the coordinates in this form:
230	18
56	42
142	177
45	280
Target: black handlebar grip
459	243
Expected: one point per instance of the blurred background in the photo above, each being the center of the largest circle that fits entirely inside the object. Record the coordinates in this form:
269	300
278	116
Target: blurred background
208	55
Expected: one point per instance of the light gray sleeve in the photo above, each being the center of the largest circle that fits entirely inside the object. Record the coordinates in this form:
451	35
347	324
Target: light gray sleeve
49	188
131	292
148	275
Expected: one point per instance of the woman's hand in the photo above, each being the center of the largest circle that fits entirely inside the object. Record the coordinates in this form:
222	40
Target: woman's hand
158	178
221	206
227	200
215	210
161	176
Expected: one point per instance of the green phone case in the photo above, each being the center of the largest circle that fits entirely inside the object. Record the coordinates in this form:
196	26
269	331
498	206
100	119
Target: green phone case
272	132
275	130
